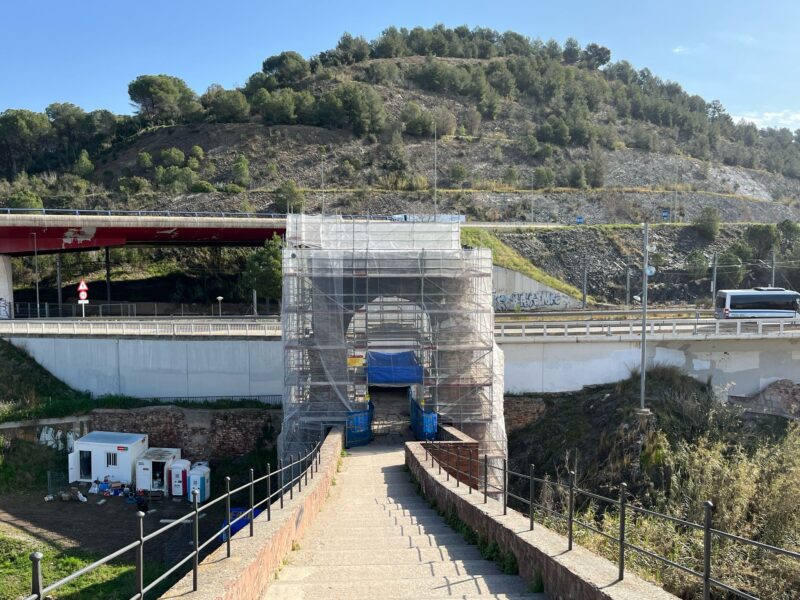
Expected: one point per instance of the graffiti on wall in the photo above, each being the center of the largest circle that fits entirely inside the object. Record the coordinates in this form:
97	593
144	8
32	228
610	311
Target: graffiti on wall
530	300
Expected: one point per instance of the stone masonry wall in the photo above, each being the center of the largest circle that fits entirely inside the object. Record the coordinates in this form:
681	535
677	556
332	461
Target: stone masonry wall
199	433
521	411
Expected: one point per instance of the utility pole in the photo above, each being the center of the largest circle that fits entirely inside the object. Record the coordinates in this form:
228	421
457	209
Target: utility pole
714	280
643	368
583	300
772	284
58	285
108	277
435	173
36	268
533	174
627	285
323	181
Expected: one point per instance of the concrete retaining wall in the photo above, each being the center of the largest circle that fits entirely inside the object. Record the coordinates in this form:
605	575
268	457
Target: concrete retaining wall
255	560
58	433
147	368
540	553
514	291
742	367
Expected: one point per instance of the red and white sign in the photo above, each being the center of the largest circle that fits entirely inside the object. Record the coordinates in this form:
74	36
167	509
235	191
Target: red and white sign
83	293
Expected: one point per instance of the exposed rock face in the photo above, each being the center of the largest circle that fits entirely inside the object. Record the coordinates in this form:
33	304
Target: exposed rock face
780	398
199	433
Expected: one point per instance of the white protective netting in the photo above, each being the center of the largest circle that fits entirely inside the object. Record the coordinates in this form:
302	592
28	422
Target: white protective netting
353	285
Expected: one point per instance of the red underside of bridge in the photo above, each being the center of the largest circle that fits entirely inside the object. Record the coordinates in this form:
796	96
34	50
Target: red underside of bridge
19	240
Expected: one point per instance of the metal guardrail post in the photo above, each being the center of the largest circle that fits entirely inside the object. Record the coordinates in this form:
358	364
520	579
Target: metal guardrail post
196	532
440	457
280	469
291	477
252	502
531	496
269	494
470	478
308	464
505	486
36	574
571	508
140	557
707	550
485	478
228	515
623	493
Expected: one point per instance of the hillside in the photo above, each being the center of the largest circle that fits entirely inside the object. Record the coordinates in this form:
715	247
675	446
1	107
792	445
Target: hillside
525	130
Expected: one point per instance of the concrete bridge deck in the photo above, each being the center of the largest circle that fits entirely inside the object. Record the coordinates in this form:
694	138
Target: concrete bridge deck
376	538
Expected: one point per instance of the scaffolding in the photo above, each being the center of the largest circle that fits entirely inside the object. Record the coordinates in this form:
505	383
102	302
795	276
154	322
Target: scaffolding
355	286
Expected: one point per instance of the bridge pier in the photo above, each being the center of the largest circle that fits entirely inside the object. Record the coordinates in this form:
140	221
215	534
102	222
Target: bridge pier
6	283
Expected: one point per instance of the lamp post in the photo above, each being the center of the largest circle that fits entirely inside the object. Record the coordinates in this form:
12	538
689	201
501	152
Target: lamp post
219	302
647	270
36	269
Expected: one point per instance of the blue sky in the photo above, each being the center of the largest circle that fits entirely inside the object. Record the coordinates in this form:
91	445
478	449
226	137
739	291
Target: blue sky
86	51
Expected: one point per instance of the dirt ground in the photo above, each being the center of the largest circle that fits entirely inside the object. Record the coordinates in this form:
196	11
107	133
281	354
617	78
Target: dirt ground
103	528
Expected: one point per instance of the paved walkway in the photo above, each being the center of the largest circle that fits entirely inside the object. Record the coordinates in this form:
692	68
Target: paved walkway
376	538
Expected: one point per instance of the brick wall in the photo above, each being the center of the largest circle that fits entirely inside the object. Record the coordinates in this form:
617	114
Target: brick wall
255	560
541	553
458	455
199	433
521	411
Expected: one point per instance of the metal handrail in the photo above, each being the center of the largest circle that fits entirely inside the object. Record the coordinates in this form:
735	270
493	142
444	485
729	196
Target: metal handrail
436	450
309	463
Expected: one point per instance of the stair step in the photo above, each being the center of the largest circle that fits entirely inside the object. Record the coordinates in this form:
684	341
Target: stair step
395	541
490	586
317	556
316	574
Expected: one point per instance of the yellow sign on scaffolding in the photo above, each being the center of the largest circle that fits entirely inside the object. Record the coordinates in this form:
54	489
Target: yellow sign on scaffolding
355	361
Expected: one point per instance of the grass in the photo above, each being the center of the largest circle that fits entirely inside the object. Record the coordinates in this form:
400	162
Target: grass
505	256
111	581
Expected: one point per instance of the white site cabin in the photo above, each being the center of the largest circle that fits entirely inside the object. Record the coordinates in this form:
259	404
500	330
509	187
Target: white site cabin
152	469
102	454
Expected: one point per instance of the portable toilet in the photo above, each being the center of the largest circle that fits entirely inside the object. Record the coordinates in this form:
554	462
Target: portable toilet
108	455
153	469
200	480
179	477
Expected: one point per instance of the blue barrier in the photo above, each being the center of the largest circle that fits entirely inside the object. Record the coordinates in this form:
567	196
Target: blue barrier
424	422
237	525
359	427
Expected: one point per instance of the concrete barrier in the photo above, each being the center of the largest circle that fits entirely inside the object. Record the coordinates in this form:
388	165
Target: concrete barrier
541	553
255	560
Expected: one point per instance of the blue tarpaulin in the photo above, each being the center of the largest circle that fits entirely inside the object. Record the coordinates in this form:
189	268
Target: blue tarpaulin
424	422
359	427
401	368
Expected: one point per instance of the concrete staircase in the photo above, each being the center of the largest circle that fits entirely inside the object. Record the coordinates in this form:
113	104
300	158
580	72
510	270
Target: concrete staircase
376	538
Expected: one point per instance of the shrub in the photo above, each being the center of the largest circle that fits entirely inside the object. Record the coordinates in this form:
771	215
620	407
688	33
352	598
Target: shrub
471	120
25	199
543	177
145	160
193	163
288	197
241	171
232	188
696	264
458	173
789	231
172	157
204	187
762	238
130	186
576	177
707	223
416	120
197	152
730	270
510	175
83	167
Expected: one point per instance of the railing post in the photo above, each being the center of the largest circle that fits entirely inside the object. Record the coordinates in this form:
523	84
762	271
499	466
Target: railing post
571	507
308	464
458	466
531	496
228	515
140	557
280	469
440	457
300	461
623	493
196	540
269	494
36	574
707	551
505	486
470	478
252	502
485	478
291	477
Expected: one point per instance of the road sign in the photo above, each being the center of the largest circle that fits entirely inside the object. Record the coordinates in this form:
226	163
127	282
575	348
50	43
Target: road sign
579	220
650	270
83	293
665	214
